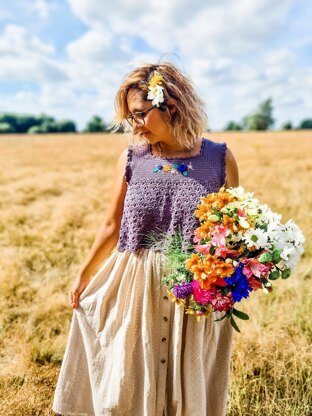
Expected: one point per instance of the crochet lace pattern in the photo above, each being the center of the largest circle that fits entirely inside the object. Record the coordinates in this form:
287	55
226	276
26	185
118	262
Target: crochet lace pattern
159	204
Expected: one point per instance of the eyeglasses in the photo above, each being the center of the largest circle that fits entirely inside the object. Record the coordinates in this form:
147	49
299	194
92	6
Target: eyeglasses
139	117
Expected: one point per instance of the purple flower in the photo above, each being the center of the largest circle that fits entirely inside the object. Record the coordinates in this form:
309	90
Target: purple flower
182	291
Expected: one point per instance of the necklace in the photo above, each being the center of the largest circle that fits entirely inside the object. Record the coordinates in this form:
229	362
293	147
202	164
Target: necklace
173	168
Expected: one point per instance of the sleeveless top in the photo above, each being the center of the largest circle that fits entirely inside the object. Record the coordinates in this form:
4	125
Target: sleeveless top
162	203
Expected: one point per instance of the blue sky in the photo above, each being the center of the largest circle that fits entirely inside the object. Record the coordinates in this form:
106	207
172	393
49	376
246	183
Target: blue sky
67	58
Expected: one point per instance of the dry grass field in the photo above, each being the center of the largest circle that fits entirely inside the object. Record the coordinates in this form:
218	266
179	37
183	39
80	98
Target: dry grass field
54	192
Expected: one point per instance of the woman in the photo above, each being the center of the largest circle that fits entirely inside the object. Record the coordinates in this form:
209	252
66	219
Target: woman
130	350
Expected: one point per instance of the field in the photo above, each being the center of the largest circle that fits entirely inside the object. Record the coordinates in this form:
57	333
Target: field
54	192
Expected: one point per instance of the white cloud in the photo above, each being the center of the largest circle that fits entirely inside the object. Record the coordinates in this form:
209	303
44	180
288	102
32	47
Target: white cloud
235	52
24	57
18	41
43	8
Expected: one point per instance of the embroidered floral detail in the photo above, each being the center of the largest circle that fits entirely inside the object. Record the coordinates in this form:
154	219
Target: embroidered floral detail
174	168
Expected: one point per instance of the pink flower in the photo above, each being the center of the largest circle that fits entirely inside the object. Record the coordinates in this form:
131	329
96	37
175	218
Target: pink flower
241	213
219	232
224	251
204	248
200	295
214	297
254	268
221	302
197	238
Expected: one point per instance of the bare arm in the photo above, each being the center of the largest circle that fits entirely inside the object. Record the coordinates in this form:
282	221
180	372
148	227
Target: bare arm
107	235
232	175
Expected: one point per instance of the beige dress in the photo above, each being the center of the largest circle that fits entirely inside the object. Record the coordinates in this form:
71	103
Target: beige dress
130	350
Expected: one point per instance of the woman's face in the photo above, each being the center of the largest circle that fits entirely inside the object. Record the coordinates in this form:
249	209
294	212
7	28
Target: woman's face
155	128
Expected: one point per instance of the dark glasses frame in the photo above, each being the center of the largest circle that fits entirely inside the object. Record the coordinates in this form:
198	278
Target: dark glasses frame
132	117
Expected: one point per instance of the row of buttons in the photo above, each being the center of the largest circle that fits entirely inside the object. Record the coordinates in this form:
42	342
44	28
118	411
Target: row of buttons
164	339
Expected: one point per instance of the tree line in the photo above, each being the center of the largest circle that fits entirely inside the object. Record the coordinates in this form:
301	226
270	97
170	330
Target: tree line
43	123
260	119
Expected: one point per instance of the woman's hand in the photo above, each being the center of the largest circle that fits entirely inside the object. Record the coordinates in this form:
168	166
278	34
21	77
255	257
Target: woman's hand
78	286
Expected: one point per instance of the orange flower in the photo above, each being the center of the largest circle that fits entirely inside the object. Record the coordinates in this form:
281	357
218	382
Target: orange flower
211	202
204	229
228	221
208	270
192	261
241	249
202	212
224	269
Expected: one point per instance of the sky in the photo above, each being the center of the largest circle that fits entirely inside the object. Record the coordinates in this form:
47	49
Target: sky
67	58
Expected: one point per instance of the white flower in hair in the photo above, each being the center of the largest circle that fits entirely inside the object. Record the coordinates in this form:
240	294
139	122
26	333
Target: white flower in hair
155	90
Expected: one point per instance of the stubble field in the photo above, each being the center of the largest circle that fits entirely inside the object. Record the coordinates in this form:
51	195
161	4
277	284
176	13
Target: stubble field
54	192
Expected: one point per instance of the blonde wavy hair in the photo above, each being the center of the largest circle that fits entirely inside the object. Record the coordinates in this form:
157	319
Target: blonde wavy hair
189	120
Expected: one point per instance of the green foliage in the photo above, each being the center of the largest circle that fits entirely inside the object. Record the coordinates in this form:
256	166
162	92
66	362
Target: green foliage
66	126
6	128
306	124
34	130
232	126
95	125
262	118
287	125
43	123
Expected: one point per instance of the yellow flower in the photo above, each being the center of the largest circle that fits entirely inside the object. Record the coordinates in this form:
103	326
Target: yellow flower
167	168
156	80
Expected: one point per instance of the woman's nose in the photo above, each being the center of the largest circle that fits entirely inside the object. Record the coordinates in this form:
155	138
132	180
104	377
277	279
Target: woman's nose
136	127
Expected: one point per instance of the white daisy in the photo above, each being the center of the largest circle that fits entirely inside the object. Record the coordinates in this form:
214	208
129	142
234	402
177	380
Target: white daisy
256	237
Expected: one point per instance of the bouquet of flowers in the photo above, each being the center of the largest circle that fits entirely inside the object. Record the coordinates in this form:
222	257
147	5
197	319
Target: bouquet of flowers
239	247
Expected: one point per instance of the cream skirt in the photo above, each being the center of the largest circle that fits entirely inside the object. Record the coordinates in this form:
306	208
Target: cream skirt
132	352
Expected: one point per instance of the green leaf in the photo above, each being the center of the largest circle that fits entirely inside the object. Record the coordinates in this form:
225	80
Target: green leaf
276	255
240	314
229	313
234	324
254	238
286	273
265	258
220	319
212	250
275	274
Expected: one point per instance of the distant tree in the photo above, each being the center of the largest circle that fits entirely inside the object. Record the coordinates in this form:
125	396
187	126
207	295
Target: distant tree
49	127
95	125
262	118
42	123
306	124
66	126
232	125
9	119
20	123
34	130
25	121
287	125
6	128
42	118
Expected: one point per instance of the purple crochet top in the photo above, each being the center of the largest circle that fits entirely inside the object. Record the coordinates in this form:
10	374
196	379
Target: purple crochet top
160	202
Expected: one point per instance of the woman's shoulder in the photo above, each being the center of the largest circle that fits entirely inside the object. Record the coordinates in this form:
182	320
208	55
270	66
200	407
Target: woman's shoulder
213	148
136	149
213	143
